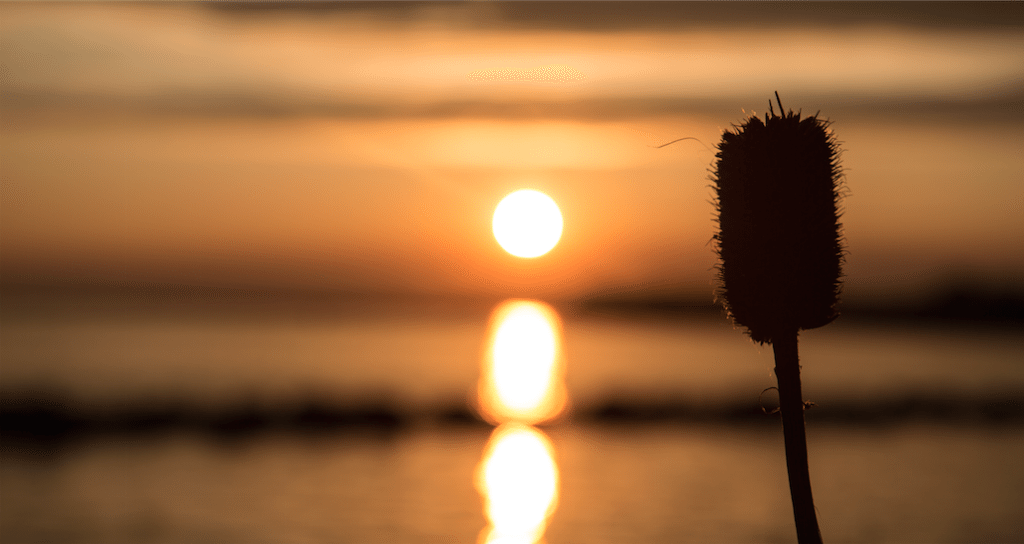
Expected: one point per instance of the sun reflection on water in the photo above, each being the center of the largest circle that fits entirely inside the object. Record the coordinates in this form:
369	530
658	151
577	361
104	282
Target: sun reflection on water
522	376
521	384
518	478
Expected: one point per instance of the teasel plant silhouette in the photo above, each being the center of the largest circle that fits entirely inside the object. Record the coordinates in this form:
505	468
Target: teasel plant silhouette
778	189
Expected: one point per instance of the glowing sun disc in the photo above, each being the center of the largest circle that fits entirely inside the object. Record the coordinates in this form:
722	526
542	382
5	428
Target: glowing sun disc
527	223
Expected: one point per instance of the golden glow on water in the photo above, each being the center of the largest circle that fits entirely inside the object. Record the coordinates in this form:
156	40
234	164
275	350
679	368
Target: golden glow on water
523	370
518	478
521	383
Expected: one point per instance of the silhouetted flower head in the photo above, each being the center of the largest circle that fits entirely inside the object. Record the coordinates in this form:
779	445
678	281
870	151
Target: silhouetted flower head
778	186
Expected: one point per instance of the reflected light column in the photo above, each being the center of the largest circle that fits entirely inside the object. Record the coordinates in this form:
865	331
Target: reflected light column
521	384
518	478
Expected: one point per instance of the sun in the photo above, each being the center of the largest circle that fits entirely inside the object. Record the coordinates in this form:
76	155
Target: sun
527	223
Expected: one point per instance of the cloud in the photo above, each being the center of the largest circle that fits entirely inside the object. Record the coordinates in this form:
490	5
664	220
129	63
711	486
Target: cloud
556	73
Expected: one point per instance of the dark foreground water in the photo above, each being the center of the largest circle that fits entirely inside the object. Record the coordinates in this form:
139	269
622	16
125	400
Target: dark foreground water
653	483
129	424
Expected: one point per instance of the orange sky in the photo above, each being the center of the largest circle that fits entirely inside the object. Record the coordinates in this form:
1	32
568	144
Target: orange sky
363	151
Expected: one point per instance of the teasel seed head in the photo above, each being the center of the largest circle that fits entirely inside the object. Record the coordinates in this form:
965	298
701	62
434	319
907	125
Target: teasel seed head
778	188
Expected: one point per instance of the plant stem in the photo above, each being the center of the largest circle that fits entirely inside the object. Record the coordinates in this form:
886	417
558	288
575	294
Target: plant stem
787	370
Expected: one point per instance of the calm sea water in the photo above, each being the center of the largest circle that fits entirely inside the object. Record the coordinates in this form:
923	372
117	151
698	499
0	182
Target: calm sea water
908	481
418	353
652	484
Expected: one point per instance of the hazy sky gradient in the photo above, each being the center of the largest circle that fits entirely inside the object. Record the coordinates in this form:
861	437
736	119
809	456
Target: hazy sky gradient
364	148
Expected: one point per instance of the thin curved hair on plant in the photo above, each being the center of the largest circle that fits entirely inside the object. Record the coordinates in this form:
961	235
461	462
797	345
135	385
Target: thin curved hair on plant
698	140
